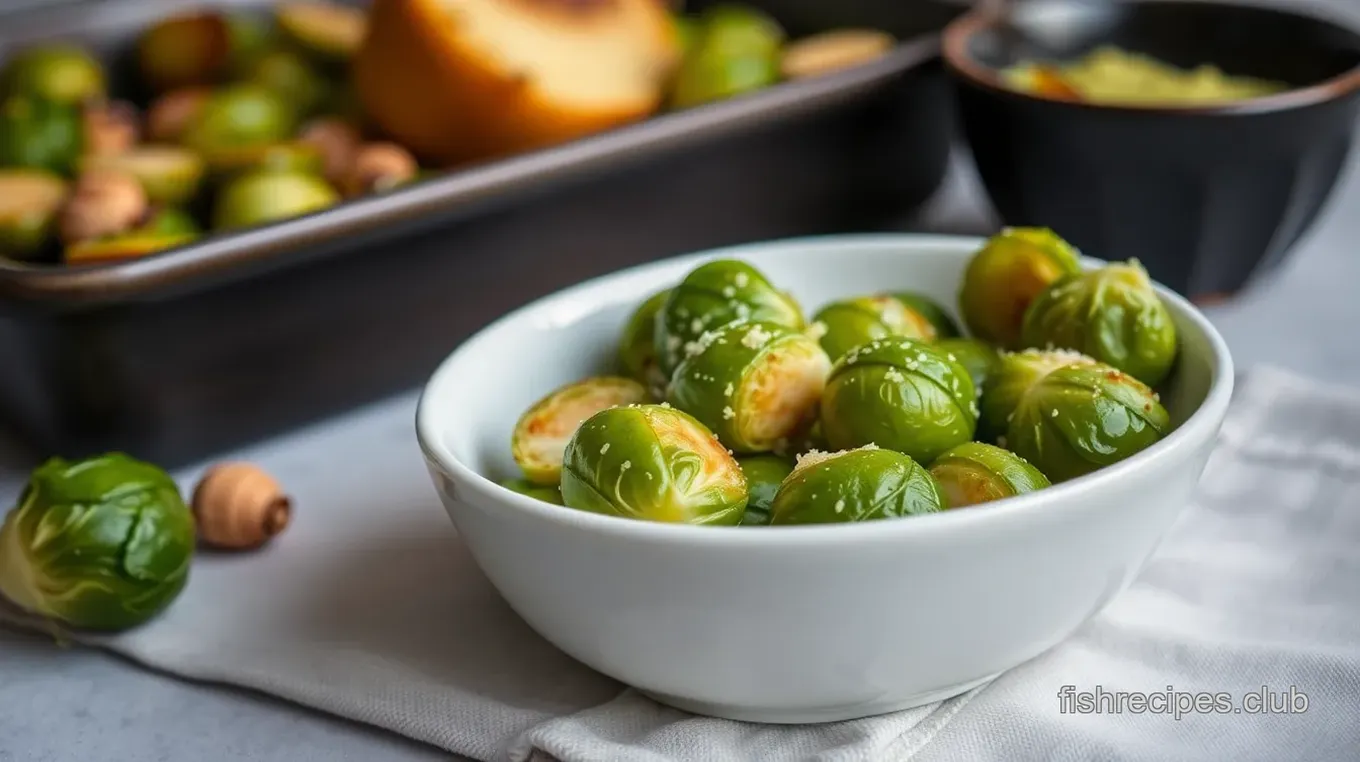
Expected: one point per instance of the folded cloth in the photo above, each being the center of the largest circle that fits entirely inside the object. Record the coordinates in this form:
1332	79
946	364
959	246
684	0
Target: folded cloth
368	607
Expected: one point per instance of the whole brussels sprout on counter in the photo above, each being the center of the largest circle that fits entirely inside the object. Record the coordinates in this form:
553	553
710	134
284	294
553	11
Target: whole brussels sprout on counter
63	74
900	394
38	134
542	432
755	384
939	319
712	295
979	358
851	323
1083	416
637	349
655	463
976	472
856	485
733	50
764	474
1112	315
1008	273
99	544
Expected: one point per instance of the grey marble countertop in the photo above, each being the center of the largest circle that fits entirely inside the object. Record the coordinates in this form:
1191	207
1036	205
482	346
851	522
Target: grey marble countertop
63	705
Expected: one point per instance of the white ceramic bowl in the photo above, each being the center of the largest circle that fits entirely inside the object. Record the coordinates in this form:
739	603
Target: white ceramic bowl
805	623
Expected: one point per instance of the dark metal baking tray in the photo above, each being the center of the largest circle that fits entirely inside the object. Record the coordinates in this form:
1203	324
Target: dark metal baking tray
182	354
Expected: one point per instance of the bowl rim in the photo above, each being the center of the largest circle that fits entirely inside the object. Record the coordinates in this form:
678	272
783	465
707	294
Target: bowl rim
958	33
1203	423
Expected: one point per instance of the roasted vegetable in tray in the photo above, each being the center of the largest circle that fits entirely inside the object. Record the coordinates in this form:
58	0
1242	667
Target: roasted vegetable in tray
348	100
735	410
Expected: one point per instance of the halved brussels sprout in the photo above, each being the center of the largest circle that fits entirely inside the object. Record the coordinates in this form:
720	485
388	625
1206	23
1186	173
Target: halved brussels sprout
37	134
764	474
100	544
902	395
736	50
286	156
291	76
637	349
264	196
171	115
60	73
239	117
931	310
979	358
976	472
169	174
1081	418
851	323
712	295
130	245
542	432
863	484
832	51
755	384
1008	273
29	202
1112	315
1011	378
652	462
537	491
328	30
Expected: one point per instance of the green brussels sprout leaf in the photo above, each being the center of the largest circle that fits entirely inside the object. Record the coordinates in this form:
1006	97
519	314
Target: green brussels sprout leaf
864	484
844	325
764	474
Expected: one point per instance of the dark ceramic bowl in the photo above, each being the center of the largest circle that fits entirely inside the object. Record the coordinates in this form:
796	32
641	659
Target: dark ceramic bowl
1206	197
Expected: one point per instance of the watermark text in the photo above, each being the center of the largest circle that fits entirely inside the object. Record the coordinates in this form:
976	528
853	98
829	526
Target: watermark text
1178	703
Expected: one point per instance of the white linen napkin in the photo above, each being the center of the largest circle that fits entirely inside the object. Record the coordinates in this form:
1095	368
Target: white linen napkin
368	607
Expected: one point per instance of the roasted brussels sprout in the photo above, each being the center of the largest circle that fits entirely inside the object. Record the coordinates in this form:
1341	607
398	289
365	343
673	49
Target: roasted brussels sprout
1082	417
30	200
337	142
290	76
63	74
1012	377
536	491
714	294
976	472
932	311
198	47
287	156
169	174
652	462
1008	273
263	196
687	31
979	358
102	203
754	384
1112	315
330	31
169	221
764	474
900	394
109	127
851	323
239	117
864	484
130	245
637	349
379	166
99	544
37	134
542	432
736	50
